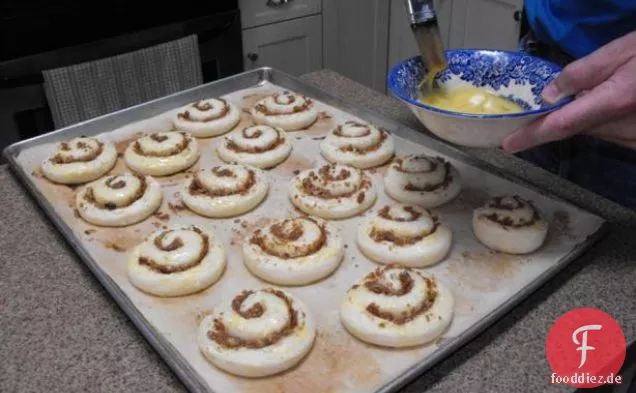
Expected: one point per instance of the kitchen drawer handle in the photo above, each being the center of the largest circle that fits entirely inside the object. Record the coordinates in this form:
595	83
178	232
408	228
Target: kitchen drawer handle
277	3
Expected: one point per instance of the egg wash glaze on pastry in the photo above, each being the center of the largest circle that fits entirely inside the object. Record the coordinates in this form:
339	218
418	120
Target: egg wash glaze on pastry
225	190
162	153
397	307
405	234
119	200
286	110
422	180
207	118
260	146
177	261
294	251
79	160
332	191
359	145
510	224
259	332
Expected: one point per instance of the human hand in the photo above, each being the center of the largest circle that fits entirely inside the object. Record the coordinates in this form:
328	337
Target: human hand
604	83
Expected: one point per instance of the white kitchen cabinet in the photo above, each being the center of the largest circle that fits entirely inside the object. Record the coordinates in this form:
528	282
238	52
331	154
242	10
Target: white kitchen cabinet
463	24
356	39
293	46
486	24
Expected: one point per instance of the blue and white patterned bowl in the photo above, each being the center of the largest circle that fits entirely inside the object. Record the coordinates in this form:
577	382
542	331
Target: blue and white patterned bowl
515	75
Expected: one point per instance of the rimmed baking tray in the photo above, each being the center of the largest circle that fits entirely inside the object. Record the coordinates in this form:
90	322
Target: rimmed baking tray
486	284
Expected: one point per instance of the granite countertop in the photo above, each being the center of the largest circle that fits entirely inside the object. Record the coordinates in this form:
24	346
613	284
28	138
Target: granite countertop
61	332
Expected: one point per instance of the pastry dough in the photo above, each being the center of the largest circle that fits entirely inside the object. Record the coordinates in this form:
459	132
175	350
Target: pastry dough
422	180
332	191
286	110
406	234
225	191
358	145
397	307
207	118
259	146
119	200
295	251
510	224
162	153
80	160
257	333
177	261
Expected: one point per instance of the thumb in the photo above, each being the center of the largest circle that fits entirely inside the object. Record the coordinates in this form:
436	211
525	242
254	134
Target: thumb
590	71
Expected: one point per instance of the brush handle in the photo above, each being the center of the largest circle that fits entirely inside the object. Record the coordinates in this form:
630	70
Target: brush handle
420	11
423	21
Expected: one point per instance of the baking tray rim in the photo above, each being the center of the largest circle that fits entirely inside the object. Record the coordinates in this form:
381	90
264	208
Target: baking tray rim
251	78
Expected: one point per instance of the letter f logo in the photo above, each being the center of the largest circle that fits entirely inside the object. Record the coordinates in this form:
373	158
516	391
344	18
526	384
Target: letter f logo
584	347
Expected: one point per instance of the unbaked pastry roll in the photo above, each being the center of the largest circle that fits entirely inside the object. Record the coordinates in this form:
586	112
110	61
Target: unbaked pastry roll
286	110
79	160
260	146
358	145
295	251
406	234
225	190
177	261
332	191
397	307
162	153
510	224
422	180
207	118
258	333
119	200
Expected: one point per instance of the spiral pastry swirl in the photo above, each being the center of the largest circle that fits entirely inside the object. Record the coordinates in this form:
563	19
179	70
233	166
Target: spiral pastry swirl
207	118
406	234
422	180
510	224
225	190
332	191
359	145
286	110
162	153
258	333
119	200
79	160
396	306
177	261
260	146
293	251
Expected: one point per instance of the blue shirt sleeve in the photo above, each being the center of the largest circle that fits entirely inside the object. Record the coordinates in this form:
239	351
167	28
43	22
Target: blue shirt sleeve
579	27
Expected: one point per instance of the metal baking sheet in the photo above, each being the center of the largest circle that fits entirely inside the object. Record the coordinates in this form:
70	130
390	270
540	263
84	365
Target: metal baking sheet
486	284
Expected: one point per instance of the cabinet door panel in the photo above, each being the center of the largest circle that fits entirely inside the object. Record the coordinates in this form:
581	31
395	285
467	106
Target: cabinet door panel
356	39
491	24
261	12
293	46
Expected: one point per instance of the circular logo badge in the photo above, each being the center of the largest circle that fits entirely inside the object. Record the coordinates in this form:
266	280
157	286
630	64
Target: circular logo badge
585	349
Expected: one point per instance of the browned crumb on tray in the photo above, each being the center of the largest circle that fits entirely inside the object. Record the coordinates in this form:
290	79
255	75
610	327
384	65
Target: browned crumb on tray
121	146
162	216
114	246
177	207
247	228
